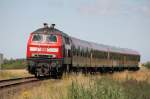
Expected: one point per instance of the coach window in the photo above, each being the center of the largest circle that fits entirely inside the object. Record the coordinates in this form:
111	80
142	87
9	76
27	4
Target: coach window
96	55
133	58
105	55
81	52
93	54
130	57
100	55
78	51
138	58
116	56
86	52
110	55
73	50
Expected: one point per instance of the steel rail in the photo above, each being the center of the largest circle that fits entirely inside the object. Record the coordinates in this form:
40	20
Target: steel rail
17	81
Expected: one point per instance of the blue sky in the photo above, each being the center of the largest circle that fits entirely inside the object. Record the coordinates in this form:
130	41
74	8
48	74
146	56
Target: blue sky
121	23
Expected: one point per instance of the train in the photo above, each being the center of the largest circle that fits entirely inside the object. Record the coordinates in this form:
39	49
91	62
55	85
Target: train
52	52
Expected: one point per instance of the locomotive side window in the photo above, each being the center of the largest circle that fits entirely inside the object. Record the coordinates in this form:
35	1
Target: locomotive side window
51	38
37	37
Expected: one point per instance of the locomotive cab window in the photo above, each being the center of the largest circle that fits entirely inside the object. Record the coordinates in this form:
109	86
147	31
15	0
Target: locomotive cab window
51	38
37	37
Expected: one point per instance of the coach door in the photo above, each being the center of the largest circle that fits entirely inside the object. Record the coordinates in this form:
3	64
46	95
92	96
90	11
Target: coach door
67	50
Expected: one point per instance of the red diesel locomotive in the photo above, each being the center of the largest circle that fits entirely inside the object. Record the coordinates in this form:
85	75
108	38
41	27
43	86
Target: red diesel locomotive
51	52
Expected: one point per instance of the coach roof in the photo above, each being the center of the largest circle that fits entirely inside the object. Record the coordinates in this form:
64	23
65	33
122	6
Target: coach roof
101	47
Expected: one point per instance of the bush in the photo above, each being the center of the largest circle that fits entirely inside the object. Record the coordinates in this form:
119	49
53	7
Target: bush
147	65
14	64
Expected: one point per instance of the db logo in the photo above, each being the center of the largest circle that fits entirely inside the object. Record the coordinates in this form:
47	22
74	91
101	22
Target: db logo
43	49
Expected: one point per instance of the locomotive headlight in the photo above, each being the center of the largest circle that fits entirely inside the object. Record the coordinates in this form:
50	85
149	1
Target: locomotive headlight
33	49
52	49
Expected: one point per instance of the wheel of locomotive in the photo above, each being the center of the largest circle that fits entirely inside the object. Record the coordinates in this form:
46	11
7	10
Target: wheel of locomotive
36	74
56	72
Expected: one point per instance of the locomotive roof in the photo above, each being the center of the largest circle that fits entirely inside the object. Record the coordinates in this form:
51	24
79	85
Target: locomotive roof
41	31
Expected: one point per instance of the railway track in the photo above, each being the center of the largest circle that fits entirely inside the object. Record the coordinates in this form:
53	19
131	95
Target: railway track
17	81
10	87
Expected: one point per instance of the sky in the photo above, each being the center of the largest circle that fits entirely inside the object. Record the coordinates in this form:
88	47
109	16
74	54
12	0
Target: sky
120	23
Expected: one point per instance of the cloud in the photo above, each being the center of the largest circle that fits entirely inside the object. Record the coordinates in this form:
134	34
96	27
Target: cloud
115	7
56	3
100	7
143	10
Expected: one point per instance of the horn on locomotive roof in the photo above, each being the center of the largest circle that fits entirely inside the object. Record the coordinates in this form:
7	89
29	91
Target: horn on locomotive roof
52	26
45	25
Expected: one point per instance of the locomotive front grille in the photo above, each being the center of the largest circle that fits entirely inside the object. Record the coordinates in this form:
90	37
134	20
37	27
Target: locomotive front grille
44	56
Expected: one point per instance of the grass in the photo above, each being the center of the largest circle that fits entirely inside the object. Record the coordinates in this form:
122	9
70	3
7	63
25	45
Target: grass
106	88
14	64
103	88
136	90
7	74
47	90
124	85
